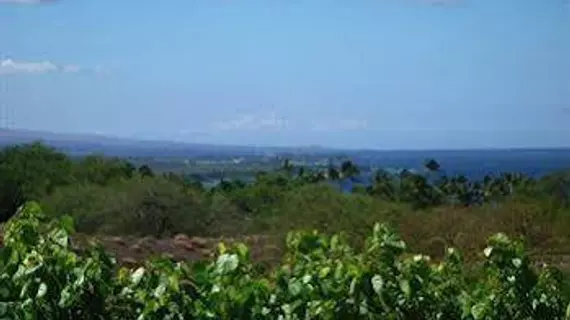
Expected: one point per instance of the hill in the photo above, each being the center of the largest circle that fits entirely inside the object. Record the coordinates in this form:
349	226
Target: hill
81	144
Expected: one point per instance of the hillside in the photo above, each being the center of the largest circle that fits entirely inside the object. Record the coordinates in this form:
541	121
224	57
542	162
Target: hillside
80	144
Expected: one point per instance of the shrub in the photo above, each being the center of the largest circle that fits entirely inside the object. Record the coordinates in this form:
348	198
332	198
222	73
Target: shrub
28	172
145	206
321	277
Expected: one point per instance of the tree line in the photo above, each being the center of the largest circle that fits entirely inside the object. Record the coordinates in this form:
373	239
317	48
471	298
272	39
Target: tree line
112	195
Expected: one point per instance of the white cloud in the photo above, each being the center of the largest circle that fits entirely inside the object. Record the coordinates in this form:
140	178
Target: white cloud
252	122
9	66
26	1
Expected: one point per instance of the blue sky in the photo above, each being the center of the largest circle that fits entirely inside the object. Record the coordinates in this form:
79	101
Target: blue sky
391	74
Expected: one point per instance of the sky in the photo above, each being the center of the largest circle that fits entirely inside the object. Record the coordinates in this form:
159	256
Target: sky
390	74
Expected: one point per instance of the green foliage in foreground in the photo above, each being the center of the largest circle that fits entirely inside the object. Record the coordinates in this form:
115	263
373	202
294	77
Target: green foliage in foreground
320	278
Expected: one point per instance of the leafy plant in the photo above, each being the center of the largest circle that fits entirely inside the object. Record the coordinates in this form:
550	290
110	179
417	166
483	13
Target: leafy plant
321	277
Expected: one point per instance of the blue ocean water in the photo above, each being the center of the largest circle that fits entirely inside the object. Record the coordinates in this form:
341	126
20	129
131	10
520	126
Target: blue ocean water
474	164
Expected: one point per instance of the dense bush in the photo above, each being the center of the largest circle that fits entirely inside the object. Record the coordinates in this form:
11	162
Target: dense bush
27	172
143	206
321	277
322	207
429	209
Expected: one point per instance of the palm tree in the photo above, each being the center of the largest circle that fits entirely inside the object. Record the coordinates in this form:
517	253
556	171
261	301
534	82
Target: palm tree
384	185
287	167
301	172
349	170
145	171
431	165
333	173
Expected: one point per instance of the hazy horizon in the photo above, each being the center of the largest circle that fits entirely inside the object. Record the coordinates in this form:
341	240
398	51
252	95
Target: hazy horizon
395	75
83	137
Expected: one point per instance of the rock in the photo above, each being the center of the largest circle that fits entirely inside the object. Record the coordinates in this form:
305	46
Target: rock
181	237
145	242
185	245
181	240
129	261
118	240
199	242
206	252
136	248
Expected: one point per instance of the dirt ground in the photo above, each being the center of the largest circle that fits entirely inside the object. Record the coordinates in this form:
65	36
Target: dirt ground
133	251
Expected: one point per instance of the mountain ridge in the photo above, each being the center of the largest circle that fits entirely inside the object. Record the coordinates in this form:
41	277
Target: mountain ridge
84	143
110	144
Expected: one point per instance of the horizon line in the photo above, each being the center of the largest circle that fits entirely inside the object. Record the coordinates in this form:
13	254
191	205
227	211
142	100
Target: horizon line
86	135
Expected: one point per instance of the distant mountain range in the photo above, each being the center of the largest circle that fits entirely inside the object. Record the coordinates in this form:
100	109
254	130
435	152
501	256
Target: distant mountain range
80	144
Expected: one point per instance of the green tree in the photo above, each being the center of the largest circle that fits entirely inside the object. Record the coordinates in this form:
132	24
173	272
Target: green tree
150	206
28	172
431	165
349	170
102	170
145	171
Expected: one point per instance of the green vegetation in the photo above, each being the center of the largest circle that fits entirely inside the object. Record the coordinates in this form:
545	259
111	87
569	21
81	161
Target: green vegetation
355	274
320	278
113	196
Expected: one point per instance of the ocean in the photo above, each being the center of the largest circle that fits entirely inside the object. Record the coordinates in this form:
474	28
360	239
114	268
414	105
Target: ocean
474	164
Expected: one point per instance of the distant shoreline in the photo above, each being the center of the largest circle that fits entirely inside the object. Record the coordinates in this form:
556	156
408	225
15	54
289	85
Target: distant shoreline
71	140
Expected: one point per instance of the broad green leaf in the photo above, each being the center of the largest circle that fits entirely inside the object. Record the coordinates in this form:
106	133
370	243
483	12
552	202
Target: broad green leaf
324	272
137	276
60	237
42	290
160	290
295	287
66	223
242	250
65	298
517	262
377	284
227	263
405	287
479	310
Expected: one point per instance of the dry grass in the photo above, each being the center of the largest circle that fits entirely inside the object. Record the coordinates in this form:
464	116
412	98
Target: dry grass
545	232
